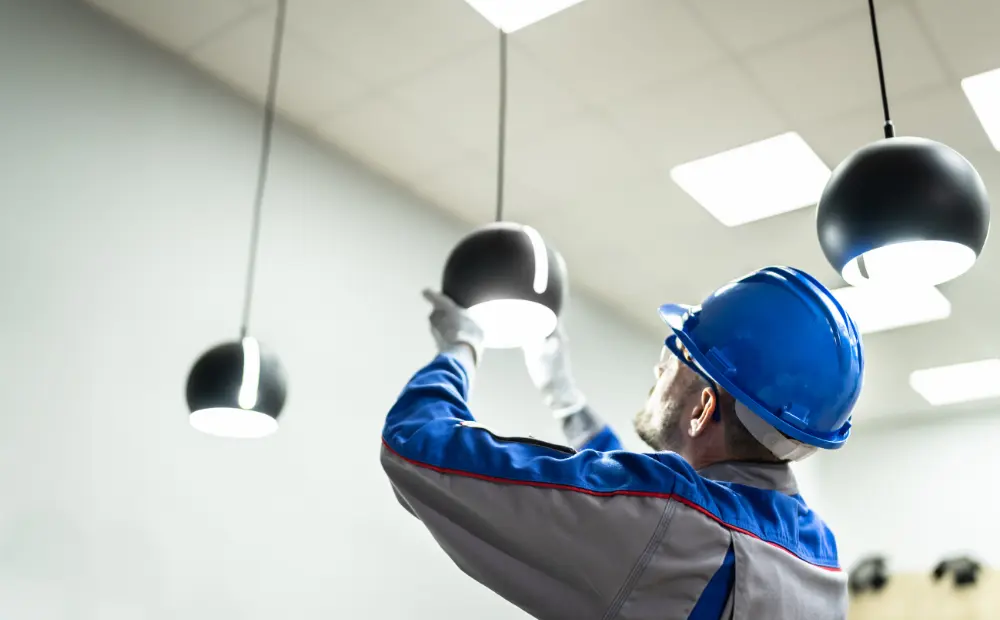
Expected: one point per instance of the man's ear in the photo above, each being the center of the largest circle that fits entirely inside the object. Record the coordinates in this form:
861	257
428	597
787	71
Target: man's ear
701	416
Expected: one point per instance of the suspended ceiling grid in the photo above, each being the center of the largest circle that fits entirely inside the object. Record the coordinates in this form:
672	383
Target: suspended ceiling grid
605	98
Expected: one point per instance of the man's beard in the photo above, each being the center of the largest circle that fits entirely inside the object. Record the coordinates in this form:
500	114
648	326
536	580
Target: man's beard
661	432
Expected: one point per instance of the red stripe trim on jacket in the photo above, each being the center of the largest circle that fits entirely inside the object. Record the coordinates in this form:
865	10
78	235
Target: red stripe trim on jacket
564	487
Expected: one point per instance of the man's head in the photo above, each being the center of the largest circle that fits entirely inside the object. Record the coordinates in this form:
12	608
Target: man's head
767	368
687	414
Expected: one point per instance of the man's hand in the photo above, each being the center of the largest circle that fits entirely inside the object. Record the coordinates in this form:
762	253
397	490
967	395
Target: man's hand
452	327
549	368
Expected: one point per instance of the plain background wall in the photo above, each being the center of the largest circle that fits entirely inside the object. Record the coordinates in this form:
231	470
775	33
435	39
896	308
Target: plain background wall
916	490
126	197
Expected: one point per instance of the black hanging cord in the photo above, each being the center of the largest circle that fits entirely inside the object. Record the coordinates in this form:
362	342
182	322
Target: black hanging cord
889	131
502	138
265	158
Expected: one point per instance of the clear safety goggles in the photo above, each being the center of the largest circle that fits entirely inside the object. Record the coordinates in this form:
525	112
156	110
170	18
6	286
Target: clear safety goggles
672	346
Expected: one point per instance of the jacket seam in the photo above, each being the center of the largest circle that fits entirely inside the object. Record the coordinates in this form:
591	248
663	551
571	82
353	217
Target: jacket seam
642	562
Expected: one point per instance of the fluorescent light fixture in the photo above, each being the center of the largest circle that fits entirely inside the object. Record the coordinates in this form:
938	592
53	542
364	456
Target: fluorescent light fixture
755	181
511	15
983	92
959	383
879	308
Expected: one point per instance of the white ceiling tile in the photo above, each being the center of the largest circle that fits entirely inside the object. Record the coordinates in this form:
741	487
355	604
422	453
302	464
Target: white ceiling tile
576	158
387	40
467	188
311	85
836	138
606	49
634	234
652	222
387	136
461	97
745	26
682	120
177	24
965	32
650	212
942	114
834	71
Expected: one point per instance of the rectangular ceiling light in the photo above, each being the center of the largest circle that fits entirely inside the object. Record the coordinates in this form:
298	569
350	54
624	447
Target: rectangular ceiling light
880	308
511	15
983	92
959	383
755	181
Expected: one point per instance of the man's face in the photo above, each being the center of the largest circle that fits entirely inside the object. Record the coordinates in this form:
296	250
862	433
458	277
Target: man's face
661	422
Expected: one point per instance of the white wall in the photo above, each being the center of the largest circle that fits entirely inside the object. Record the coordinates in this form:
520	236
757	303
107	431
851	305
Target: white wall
915	491
124	215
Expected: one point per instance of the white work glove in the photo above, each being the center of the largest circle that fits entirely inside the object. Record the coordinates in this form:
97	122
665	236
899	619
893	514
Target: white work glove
452	327
549	369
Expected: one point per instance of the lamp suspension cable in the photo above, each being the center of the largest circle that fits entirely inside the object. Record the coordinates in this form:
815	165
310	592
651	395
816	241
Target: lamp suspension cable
265	158
502	128
889	131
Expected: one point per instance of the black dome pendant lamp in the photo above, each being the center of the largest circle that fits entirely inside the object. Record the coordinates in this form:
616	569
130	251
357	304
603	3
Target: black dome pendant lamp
902	210
512	283
237	389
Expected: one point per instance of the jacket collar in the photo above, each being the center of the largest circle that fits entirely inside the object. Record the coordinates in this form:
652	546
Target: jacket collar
770	476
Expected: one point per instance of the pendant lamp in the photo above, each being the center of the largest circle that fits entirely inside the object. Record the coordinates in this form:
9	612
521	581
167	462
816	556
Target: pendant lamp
512	283
902	210
237	389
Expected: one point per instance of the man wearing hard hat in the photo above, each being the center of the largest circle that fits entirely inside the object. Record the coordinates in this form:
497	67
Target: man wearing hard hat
710	525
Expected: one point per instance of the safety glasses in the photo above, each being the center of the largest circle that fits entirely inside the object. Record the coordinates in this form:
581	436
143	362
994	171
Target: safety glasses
672	345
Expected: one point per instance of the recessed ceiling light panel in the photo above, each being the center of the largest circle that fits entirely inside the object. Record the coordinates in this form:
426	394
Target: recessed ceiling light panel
755	181
958	383
880	308
983	93
511	15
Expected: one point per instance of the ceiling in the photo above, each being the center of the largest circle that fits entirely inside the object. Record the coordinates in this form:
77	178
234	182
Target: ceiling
606	97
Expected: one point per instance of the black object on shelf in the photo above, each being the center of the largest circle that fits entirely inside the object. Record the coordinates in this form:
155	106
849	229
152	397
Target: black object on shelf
868	575
964	570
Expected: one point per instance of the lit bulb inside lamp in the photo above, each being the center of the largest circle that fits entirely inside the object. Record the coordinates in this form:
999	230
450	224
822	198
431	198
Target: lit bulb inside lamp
930	262
513	323
233	423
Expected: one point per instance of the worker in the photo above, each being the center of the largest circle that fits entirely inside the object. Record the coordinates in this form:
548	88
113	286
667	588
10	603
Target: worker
709	525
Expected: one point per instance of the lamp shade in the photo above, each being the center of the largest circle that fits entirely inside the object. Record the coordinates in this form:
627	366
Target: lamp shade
510	280
236	390
903	210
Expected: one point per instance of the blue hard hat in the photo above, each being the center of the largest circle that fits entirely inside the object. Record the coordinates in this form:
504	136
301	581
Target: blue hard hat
779	342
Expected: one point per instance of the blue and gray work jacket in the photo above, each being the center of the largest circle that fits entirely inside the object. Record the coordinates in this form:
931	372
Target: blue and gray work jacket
602	533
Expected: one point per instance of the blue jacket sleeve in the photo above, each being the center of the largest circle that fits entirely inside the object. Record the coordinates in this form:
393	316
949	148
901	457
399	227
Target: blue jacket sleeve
605	440
431	424
585	430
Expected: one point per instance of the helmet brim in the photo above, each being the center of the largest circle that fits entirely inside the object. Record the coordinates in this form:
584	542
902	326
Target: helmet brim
674	315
